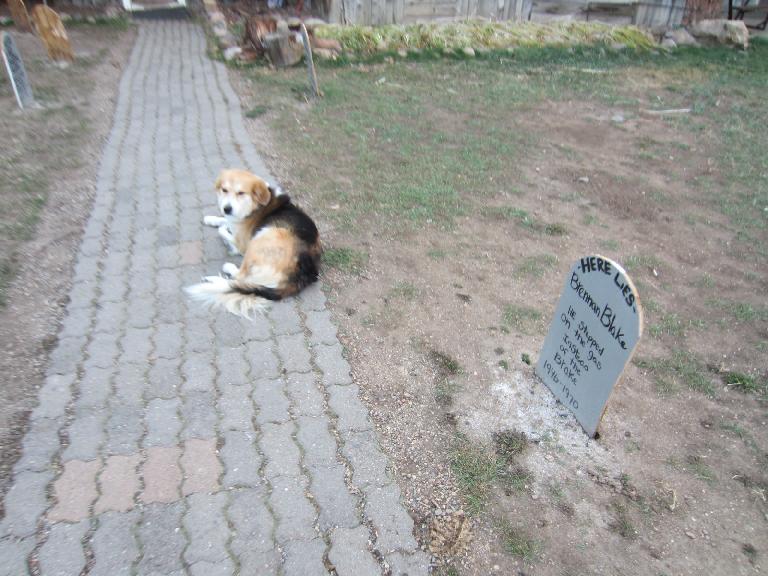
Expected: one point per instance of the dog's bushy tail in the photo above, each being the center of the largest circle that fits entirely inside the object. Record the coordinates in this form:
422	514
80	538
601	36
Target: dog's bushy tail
234	297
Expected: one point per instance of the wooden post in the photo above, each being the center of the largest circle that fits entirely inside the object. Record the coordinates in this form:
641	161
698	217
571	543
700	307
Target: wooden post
53	33
20	15
310	62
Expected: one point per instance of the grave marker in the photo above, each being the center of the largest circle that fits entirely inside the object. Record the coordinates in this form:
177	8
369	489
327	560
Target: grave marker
53	33
20	15
16	71
597	324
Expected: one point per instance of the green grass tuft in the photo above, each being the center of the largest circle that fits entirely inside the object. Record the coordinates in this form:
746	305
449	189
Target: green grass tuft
347	260
517	542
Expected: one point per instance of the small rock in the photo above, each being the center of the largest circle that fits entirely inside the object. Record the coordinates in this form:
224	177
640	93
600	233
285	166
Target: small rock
681	37
668	44
690	535
583	179
618	118
402	52
324	53
314	22
721	32
281	26
618	46
469	52
91	20
232	53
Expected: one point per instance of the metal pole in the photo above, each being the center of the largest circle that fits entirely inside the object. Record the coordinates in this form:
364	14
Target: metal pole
310	61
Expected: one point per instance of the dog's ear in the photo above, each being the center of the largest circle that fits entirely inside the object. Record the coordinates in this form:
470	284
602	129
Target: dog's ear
260	192
217	184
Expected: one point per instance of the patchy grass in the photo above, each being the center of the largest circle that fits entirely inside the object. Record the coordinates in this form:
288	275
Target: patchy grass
535	266
641	261
520	318
683	367
447	369
622	523
740	311
745	383
404	290
696	465
517	542
256	111
475	471
346	260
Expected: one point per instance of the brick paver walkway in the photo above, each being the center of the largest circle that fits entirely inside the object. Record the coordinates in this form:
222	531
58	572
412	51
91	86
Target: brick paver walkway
172	440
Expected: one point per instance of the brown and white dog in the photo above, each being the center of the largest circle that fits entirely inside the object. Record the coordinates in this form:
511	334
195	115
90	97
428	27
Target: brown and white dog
279	243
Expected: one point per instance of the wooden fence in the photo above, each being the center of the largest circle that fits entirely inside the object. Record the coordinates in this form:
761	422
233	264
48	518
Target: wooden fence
646	13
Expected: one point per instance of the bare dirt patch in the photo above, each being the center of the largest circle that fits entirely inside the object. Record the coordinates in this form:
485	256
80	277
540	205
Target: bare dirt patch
461	232
48	165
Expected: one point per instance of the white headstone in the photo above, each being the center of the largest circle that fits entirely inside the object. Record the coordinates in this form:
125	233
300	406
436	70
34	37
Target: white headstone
596	326
16	72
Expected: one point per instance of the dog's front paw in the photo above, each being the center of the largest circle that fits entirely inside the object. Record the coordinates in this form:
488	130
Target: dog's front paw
214	221
229	270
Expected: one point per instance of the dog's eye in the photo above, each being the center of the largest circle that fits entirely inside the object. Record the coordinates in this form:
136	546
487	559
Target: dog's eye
241	193
224	190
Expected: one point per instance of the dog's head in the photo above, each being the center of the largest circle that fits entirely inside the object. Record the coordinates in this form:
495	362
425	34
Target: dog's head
241	193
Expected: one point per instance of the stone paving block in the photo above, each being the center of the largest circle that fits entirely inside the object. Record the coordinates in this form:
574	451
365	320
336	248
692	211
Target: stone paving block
199	415
367	461
233	369
199	334
164	379
263	360
137	345
62	553
94	388
414	564
294	513
14	553
252	524
169	307
322	330
394	527
161	474
346	404
113	288
304	558
236	408
223	567
293	352
198	373
285	319
119	482
201	466
332	364
161	539
317	442
206	528
168	340
74	491
241	460
142	311
167	256
130	383
39	445
305	396
143	285
349	553
279	450
54	396
110	317
67	355
271	401
85	433
261	562
162	422
230	329
25	502
82	294
113	543
337	506
102	351
77	323
124	429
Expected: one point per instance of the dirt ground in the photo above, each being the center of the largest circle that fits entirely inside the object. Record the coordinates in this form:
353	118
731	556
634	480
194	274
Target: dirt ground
48	165
442	319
